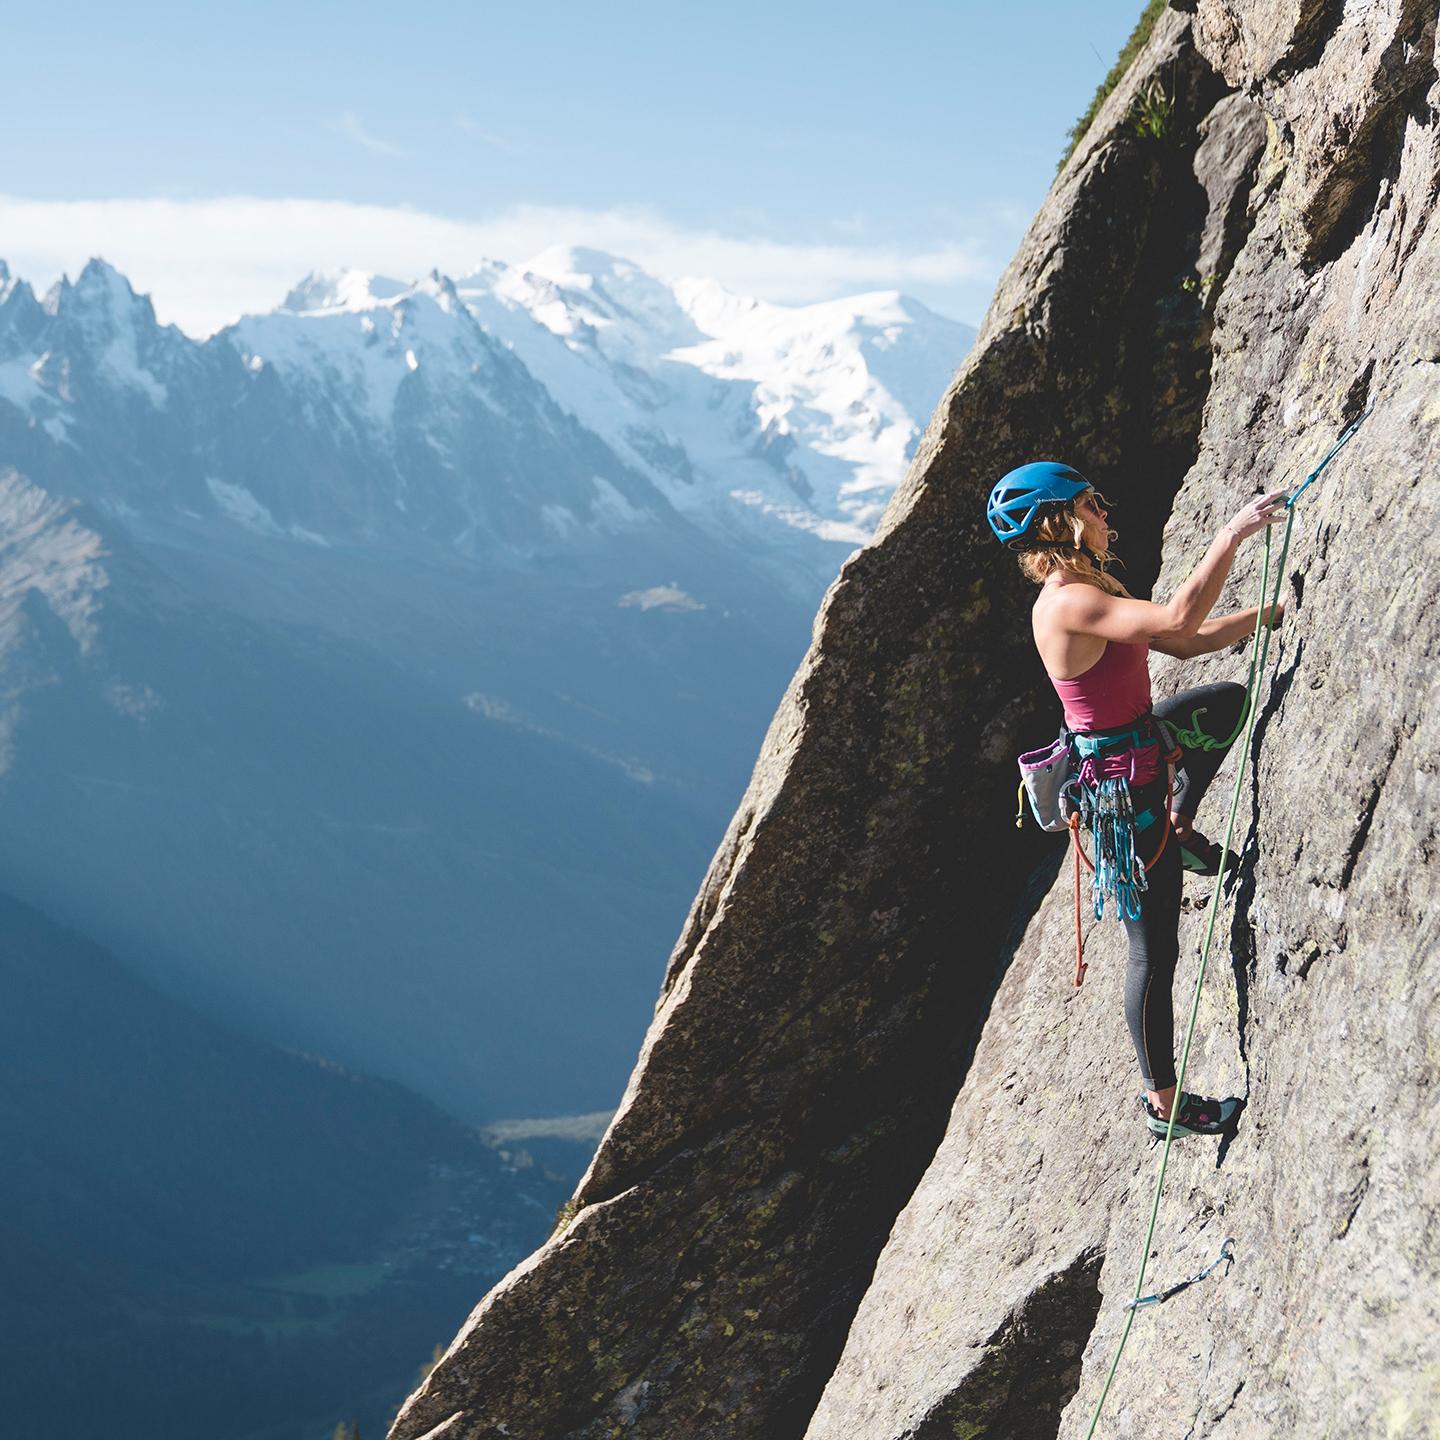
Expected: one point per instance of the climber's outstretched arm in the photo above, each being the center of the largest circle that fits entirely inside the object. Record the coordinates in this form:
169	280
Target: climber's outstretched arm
1217	633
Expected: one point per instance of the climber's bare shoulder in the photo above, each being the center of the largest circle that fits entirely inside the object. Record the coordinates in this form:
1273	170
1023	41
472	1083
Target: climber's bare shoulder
1065	649
1077	608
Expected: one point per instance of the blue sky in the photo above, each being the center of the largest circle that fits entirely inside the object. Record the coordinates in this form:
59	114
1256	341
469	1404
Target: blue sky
795	150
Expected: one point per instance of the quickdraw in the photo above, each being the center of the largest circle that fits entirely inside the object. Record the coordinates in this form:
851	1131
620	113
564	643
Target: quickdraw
1226	1257
1100	794
1079	852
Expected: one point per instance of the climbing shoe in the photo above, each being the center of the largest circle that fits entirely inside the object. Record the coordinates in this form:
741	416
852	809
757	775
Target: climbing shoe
1197	1115
1202	857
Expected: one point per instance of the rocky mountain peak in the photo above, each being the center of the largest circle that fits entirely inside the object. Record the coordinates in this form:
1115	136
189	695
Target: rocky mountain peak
102	335
100	297
446	295
21	314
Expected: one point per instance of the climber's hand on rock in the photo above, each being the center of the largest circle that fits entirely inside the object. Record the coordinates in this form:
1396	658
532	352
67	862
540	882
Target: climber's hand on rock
1259	513
1274	614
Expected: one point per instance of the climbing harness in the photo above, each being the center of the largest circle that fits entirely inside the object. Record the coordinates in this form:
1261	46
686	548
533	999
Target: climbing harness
1225	1257
1084	777
1261	643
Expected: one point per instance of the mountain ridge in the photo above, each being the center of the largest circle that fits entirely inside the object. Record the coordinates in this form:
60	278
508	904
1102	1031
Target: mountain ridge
756	450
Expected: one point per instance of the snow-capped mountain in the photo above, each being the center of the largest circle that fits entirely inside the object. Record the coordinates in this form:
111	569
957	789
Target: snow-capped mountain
806	414
525	408
379	673
340	438
466	446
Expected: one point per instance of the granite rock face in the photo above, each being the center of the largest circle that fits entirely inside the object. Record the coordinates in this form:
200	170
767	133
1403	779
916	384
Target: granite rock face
1338	83
1321	1005
868	1012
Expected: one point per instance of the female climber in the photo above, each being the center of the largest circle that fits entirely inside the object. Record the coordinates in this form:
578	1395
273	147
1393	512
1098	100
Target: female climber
1094	640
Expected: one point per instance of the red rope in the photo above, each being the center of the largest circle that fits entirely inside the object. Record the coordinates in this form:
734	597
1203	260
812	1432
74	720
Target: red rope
1079	943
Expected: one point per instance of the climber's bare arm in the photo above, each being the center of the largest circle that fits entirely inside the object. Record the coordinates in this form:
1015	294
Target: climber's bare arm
1218	633
1181	649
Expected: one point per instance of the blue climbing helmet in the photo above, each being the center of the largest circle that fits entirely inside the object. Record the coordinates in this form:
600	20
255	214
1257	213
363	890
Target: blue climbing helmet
1018	495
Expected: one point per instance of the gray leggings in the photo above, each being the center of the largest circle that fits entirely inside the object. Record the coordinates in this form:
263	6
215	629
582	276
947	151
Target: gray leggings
1154	937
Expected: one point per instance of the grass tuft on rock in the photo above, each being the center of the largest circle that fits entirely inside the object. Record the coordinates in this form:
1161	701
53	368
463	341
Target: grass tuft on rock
1133	45
1150	114
564	1215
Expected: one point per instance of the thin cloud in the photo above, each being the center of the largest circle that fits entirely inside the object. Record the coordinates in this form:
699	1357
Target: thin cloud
478	132
350	125
206	262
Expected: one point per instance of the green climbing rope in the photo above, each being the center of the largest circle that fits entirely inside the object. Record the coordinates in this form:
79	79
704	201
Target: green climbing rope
1259	649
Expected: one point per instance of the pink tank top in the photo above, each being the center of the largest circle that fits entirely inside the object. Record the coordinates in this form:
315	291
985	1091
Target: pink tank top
1113	691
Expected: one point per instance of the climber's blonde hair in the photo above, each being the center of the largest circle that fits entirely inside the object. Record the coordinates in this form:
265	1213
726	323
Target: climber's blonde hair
1056	541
